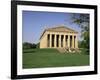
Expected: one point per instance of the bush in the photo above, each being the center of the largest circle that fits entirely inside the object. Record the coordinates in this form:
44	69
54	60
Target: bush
85	51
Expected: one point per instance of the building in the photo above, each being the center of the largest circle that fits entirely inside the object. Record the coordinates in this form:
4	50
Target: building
59	37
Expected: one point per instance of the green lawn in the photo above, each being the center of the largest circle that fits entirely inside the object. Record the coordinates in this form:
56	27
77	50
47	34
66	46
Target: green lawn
36	58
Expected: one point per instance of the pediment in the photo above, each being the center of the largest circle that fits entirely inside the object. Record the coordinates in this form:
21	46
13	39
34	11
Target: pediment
61	29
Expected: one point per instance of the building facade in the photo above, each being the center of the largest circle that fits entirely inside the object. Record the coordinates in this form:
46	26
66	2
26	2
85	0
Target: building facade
59	37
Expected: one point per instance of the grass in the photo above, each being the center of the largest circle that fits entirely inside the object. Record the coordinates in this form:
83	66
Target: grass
39	58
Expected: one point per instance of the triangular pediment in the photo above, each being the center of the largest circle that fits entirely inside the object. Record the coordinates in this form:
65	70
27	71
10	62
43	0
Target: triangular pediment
61	29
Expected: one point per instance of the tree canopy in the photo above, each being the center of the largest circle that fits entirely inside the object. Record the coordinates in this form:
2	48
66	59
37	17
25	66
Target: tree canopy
83	21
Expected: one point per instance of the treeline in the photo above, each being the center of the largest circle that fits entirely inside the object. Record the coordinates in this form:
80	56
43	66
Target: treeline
27	45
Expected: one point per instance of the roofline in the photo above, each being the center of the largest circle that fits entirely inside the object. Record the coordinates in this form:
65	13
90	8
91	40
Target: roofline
42	34
55	31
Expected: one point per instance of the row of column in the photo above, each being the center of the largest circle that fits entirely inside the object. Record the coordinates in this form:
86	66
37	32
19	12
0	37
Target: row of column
65	41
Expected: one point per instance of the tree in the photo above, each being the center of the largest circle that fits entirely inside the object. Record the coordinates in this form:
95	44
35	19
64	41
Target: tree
38	45
83	21
33	45
27	45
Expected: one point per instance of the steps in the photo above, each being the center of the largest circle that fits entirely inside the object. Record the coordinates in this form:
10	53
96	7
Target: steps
63	50
67	50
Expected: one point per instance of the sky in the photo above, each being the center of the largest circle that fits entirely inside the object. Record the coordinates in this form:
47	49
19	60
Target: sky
35	22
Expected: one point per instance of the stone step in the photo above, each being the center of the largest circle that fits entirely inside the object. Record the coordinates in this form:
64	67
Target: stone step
62	50
66	50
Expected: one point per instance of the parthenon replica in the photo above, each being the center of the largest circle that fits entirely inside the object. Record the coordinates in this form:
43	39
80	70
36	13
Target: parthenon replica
59	37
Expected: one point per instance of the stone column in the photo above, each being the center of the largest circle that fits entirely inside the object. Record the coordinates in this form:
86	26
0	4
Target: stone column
55	42
59	40
50	43
68	42
64	41
72	41
76	42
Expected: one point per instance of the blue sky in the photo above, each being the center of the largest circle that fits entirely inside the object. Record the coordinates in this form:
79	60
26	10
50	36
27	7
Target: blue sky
34	23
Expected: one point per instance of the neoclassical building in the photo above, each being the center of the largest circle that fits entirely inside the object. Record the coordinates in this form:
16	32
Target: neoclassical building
59	37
